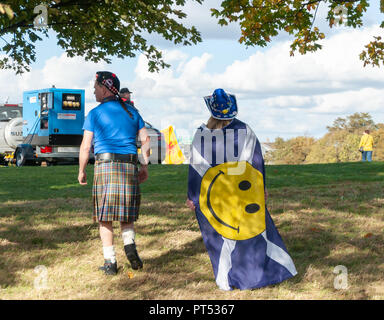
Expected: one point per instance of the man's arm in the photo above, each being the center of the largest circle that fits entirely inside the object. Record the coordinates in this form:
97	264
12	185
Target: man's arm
85	148
361	142
145	151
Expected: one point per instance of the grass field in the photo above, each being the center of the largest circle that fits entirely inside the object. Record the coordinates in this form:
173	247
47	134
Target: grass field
328	215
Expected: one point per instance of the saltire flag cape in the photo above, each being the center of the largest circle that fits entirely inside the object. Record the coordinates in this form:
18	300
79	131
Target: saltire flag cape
226	184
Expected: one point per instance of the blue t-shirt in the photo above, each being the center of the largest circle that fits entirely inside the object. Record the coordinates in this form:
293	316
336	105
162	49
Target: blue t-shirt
113	129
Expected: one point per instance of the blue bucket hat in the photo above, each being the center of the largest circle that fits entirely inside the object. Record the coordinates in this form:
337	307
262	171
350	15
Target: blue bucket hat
221	105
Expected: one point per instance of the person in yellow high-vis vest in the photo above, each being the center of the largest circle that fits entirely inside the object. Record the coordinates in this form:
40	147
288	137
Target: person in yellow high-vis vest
366	146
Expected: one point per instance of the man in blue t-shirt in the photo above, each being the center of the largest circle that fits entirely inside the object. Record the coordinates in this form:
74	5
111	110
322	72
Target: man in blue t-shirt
113	126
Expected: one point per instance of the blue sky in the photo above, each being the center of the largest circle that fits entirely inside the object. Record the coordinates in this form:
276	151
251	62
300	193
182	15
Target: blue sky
277	95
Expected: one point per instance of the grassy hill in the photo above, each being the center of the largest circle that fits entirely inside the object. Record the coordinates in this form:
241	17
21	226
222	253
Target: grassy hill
328	215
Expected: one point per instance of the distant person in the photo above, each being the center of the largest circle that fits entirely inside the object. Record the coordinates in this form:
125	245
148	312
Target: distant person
226	189
366	146
113	126
125	95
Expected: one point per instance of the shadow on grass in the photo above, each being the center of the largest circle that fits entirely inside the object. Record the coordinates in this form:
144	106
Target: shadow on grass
171	270
316	223
40	232
326	234
29	248
29	239
35	233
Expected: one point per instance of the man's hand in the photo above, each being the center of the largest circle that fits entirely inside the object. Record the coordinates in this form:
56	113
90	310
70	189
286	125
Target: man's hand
85	147
143	174
82	178
190	204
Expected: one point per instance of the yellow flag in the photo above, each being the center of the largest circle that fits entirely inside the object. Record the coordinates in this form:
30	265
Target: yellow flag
174	154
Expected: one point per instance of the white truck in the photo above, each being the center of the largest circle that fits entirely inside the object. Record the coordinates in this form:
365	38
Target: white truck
11	130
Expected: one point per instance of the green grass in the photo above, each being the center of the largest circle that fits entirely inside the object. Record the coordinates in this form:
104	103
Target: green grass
323	174
328	215
36	183
169	182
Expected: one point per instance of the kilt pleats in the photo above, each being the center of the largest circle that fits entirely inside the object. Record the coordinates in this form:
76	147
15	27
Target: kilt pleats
116	192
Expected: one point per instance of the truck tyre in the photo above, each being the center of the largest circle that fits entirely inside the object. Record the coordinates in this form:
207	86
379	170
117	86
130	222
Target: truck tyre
20	156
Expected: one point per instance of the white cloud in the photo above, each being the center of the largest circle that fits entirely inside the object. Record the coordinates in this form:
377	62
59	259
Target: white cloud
181	80
199	15
62	71
278	94
366	99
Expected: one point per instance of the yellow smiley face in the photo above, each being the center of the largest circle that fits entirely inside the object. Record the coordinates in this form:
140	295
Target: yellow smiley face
232	199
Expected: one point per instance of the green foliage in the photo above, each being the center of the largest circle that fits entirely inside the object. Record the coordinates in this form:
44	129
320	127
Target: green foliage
374	54
292	151
354	123
93	29
378	142
340	144
323	151
6	9
260	20
100	29
347	150
335	146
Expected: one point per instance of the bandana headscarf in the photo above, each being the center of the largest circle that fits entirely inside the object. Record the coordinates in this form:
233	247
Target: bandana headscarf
112	82
109	80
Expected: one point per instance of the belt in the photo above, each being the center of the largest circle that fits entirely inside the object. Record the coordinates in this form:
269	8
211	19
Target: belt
109	157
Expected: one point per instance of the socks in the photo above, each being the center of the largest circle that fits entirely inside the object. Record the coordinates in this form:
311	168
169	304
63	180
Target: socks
128	236
109	253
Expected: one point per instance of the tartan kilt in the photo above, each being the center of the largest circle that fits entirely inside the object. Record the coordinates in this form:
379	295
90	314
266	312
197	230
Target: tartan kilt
116	192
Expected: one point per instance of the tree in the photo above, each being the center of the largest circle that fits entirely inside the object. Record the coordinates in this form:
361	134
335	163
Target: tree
359	121
94	29
335	146
260	20
354	123
378	142
339	144
338	124
291	151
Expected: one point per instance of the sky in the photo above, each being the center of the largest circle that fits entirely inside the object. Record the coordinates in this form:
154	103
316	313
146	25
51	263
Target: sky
277	95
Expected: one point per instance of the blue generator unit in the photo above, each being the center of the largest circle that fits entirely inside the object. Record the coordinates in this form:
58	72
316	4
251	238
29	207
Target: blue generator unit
52	125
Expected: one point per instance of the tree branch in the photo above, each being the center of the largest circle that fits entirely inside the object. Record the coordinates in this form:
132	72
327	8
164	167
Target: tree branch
26	22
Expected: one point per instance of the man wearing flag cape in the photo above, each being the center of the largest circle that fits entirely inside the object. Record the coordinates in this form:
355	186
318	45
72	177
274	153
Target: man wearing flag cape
226	188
